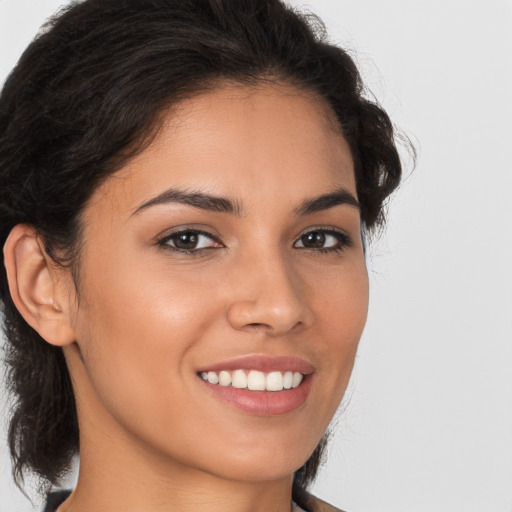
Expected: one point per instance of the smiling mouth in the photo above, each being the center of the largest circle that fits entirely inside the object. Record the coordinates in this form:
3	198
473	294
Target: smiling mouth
254	380
258	384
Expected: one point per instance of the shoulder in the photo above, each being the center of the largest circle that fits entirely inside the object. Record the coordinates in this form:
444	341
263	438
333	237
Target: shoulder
317	505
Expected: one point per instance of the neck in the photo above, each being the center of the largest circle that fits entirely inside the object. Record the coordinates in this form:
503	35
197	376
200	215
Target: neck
131	490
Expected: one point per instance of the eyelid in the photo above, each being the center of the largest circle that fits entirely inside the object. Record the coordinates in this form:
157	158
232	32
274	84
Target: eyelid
202	229
324	229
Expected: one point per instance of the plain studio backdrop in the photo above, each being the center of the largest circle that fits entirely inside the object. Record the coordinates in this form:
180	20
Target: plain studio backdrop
428	426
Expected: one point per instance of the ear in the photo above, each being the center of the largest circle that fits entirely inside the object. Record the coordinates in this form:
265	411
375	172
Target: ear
38	287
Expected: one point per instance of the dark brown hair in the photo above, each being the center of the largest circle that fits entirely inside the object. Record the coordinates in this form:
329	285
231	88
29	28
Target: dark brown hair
87	95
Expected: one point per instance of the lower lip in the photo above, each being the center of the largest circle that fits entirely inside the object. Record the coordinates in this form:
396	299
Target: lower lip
262	403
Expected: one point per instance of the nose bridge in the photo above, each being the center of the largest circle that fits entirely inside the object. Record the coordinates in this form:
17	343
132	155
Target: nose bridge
269	294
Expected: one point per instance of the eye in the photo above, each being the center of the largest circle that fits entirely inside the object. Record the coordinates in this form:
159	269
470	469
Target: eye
325	240
190	240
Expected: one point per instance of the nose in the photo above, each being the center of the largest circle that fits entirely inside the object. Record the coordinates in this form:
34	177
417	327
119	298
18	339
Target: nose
268	297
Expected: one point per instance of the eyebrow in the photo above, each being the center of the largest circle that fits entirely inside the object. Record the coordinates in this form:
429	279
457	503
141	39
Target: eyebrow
220	204
337	197
196	199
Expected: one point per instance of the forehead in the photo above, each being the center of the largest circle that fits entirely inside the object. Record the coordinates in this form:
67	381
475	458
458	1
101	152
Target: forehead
242	142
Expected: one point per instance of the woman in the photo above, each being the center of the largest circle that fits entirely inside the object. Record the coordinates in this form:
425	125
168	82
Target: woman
186	189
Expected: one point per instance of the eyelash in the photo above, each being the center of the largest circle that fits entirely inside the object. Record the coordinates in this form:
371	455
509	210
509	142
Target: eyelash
191	252
342	238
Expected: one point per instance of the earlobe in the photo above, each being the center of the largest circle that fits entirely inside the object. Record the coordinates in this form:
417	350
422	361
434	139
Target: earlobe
37	287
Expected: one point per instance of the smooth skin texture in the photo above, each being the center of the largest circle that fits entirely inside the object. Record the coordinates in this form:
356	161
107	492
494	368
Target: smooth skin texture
148	317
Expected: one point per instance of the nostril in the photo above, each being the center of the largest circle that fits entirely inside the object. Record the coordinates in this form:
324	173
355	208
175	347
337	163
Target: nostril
258	327
271	329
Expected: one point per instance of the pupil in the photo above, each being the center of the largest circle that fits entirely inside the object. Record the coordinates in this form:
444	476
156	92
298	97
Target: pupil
315	239
186	240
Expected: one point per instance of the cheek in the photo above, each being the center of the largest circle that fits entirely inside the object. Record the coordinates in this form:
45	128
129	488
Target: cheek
145	305
341	312
340	301
136	327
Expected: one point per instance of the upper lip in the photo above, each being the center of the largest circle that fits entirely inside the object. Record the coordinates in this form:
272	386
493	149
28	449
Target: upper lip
263	363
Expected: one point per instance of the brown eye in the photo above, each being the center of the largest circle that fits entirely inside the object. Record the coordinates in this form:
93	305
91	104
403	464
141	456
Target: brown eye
187	240
323	240
190	240
313	240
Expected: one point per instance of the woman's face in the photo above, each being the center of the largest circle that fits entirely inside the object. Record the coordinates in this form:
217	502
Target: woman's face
230	246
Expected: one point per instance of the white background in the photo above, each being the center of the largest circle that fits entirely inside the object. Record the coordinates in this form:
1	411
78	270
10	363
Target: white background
429	423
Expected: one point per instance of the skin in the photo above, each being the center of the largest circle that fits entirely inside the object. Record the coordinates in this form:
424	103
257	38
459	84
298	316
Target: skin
147	318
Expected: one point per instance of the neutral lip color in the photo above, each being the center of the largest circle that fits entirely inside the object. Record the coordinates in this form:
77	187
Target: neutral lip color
262	363
262	403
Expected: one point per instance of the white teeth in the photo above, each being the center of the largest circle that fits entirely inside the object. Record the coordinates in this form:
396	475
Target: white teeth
254	379
287	380
224	378
213	378
274	381
297	379
239	379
